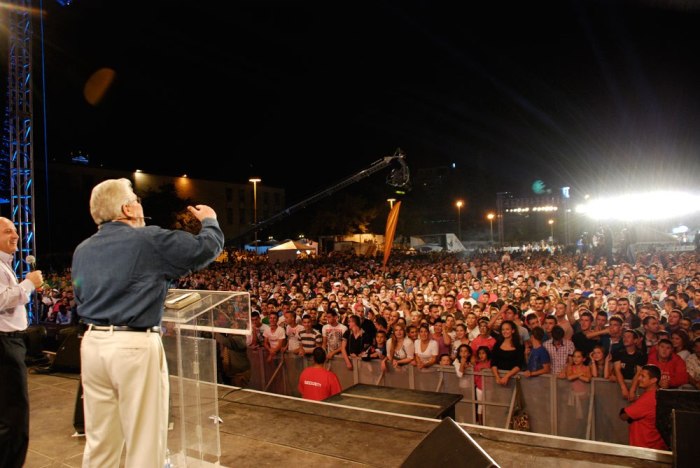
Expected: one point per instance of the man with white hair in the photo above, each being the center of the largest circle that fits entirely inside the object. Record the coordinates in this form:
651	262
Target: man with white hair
121	276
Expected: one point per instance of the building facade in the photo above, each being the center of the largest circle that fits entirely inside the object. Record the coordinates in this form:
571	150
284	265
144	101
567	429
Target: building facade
70	186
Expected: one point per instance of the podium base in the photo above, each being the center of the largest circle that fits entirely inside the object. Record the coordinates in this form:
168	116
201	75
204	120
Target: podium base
180	460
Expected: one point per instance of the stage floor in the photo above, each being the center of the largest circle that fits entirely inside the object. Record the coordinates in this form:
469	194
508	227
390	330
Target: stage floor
267	430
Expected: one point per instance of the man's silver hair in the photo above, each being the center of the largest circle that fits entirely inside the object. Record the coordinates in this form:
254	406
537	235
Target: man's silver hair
107	199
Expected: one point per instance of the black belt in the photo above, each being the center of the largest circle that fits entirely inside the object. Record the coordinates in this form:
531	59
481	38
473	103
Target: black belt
155	329
12	334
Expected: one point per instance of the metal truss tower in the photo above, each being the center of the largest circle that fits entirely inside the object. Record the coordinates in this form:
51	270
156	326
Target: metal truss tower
19	127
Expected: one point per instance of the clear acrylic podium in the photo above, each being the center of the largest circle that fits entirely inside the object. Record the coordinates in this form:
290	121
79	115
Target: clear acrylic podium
190	350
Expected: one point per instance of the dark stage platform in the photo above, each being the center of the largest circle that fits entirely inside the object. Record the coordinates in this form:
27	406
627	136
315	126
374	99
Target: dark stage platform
398	400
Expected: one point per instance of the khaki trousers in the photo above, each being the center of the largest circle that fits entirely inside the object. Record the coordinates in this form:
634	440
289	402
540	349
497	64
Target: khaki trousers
126	389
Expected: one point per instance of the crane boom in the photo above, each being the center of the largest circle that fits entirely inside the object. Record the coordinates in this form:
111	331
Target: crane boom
398	178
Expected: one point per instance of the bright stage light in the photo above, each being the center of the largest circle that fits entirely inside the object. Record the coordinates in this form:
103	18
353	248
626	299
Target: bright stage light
648	206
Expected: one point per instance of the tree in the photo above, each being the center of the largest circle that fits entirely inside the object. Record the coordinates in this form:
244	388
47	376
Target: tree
168	210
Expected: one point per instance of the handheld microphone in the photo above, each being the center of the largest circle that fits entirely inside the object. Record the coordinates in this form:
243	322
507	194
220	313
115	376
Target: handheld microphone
31	261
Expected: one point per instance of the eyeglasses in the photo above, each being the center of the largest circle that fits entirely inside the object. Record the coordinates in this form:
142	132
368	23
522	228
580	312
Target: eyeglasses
137	200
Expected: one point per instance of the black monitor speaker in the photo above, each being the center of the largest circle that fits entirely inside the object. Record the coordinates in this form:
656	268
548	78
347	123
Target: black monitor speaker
34	342
686	427
67	357
675	399
448	445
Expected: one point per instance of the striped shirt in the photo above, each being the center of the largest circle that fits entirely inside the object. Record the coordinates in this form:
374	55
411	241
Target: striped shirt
308	340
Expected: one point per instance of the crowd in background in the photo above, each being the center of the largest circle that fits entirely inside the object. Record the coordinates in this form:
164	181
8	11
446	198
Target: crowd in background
569	314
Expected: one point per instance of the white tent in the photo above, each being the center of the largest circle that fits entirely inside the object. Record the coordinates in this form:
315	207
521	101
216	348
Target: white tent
291	250
447	242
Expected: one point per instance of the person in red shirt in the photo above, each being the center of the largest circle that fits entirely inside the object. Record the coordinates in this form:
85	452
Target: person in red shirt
641	415
673	370
317	383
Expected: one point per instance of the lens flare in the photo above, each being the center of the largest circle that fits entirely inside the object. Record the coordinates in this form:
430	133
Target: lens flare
642	206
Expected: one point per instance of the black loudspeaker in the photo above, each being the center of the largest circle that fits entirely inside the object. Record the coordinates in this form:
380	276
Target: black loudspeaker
669	400
68	355
686	427
448	445
34	342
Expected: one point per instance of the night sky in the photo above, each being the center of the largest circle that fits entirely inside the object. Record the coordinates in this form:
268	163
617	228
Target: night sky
591	94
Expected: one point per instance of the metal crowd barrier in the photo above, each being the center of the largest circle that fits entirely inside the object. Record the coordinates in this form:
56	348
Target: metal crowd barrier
556	406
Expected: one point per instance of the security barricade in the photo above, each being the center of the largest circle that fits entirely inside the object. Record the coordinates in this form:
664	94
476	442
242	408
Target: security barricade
573	401
607	401
426	379
465	410
399	377
369	372
555	406
497	400
537	395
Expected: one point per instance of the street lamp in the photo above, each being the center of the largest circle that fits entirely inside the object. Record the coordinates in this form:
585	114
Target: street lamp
490	217
551	230
459	204
391	202
255	181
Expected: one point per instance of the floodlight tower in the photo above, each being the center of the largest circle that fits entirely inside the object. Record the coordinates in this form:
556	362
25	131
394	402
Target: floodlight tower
17	147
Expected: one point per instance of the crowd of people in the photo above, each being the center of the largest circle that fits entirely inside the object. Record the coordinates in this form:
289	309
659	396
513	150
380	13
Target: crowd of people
576	315
533	313
528	313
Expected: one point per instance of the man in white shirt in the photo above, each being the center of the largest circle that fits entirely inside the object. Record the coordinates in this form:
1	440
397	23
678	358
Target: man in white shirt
14	398
292	330
275	338
333	334
257	338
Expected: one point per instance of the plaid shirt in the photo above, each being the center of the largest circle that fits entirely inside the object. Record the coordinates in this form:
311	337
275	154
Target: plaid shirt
559	354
